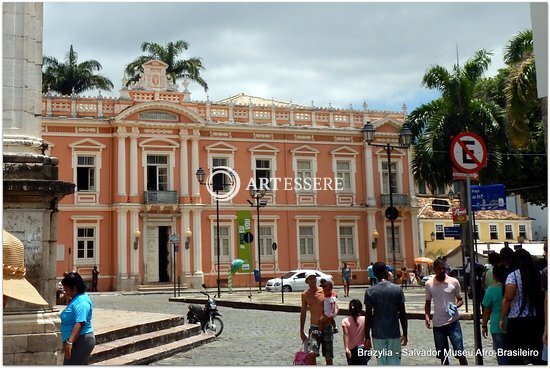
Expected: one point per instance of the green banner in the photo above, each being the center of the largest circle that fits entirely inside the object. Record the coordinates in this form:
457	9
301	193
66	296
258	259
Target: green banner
245	248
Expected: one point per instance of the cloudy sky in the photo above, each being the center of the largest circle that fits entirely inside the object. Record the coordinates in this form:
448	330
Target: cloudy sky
337	53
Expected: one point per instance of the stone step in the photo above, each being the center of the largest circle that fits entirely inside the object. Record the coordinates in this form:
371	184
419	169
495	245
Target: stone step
137	329
153	354
160	287
139	342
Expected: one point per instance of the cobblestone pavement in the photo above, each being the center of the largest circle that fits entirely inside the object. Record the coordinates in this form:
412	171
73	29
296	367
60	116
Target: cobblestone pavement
254	337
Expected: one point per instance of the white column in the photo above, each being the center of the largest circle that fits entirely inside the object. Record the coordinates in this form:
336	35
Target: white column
134	224
122	242
250	114
184	165
414	231
197	242
121	161
134	163
21	82
369	175
208	104
186	254
273	115
195	162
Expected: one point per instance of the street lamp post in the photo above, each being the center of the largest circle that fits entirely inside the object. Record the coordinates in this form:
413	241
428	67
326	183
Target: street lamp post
257	194
216	187
405	137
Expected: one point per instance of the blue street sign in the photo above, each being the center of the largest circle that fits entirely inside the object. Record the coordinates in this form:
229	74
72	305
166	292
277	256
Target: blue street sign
452	231
491	197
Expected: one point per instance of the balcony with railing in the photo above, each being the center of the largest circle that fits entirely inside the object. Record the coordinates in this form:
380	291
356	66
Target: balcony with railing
399	199
160	197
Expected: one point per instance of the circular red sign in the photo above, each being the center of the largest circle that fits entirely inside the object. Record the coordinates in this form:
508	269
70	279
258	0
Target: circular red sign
468	152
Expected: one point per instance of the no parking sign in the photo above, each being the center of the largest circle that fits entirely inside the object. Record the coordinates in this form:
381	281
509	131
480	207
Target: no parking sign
468	152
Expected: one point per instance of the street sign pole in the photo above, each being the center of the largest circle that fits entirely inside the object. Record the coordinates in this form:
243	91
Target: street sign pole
469	155
475	298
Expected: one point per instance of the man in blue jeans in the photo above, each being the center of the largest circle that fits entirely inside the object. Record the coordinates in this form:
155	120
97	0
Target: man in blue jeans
445	292
384	310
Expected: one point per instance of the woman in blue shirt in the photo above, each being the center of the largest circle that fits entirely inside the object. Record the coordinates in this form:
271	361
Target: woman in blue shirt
76	322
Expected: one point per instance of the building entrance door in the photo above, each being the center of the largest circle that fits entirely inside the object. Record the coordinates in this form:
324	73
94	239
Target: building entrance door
164	254
157	254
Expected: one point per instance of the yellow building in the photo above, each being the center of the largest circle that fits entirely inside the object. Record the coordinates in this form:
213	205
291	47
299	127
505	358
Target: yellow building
491	226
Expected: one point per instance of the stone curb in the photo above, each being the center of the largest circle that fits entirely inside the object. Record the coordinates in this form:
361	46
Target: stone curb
285	308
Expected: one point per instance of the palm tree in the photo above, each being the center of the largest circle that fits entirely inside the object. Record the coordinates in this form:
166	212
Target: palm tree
189	68
521	86
457	110
72	76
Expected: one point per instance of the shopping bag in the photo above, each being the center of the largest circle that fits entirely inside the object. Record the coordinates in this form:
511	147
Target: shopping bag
301	357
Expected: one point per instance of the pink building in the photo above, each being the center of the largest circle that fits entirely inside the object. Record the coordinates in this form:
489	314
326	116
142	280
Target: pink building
134	161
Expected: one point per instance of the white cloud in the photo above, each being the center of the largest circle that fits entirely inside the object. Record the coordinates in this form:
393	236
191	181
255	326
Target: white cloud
327	52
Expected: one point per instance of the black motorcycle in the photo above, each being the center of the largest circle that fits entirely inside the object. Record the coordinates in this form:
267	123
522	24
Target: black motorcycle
207	315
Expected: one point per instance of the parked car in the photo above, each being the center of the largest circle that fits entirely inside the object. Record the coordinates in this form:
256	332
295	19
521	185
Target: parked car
295	280
457	273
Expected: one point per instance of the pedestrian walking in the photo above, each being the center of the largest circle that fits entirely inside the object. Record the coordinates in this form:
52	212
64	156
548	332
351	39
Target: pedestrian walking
384	309
445	293
492	303
353	333
76	322
313	301
494	259
95	274
372	278
346	278
522	304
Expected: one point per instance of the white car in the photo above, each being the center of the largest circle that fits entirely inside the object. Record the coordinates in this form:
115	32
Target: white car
295	280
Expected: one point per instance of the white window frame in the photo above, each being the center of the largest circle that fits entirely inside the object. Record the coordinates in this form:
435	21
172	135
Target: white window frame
439	231
493	229
509	229
224	223
352	237
86	221
398	240
522	232
313	171
159	167
384	177
229	158
350	171
476	232
93	186
171	164
272	168
87	147
266	245
306	221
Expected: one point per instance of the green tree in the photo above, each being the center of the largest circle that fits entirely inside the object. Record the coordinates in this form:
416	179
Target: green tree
71	76
457	110
524	165
177	69
521	86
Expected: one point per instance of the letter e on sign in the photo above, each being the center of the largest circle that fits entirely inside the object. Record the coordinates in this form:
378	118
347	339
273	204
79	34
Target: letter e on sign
468	152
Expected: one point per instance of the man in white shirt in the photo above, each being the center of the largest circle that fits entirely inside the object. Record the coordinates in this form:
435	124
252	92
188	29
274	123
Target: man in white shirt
445	292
